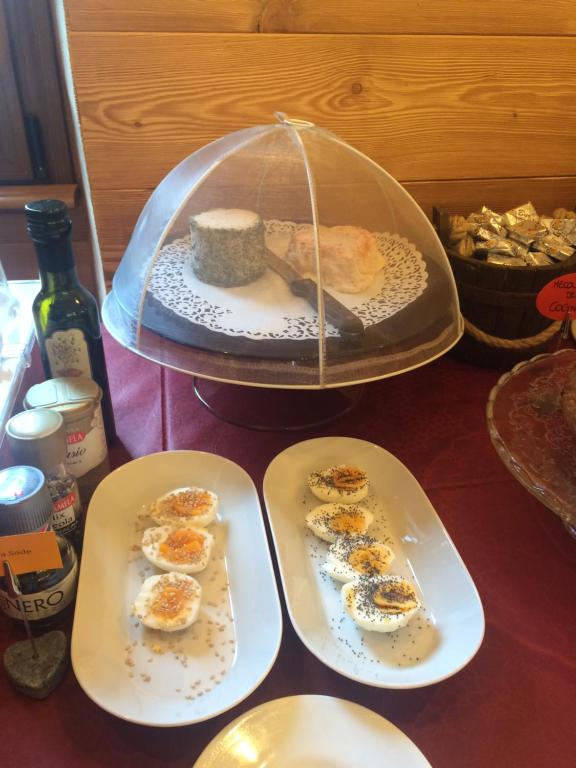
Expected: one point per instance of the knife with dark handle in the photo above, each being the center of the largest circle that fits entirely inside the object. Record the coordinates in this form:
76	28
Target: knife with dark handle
341	317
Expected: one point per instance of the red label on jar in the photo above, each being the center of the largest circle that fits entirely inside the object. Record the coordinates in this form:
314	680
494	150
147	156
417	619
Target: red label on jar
557	299
75	437
64	503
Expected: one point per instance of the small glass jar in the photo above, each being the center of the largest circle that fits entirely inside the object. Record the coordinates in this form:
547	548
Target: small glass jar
26	507
77	399
38	438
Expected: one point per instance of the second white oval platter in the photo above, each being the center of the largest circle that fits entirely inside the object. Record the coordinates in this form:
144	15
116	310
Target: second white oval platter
447	631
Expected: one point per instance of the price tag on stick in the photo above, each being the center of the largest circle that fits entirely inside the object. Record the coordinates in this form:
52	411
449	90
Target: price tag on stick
557	299
28	552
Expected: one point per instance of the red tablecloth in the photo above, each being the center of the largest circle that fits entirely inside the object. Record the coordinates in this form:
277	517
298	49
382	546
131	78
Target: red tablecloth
513	705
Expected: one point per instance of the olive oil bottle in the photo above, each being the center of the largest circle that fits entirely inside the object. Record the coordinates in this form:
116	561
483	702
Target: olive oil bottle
66	314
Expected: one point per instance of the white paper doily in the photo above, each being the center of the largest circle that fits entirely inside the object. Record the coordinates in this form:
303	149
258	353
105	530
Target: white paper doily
266	309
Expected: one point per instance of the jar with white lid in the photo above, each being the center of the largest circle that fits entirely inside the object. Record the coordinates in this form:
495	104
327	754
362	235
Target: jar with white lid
77	399
38	437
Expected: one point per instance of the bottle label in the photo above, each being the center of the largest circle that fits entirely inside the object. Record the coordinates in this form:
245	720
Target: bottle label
86	448
68	353
64	514
42	605
65	502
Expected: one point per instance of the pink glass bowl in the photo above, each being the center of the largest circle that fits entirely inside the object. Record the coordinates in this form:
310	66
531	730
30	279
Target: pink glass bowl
531	435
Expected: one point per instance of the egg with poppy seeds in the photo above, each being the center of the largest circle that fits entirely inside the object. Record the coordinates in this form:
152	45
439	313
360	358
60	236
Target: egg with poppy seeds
343	483
380	603
328	521
352	556
185	506
179	549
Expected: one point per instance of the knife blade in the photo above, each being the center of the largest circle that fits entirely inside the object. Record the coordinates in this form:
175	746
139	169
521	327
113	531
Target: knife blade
304	287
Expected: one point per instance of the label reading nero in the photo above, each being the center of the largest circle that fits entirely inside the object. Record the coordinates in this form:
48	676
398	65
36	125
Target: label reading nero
68	353
86	450
42	605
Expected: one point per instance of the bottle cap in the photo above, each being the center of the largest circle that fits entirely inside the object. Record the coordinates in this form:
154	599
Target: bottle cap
47	219
37	437
25	503
70	396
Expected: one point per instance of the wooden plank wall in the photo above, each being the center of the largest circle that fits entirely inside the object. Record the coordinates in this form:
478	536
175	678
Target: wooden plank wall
464	102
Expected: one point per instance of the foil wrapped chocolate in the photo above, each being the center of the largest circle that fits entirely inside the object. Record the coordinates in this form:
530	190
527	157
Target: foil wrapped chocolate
505	261
518	237
538	259
559	227
485	221
501	246
527	231
555	247
521	213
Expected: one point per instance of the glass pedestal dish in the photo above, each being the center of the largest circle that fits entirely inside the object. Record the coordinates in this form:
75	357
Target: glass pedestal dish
531	435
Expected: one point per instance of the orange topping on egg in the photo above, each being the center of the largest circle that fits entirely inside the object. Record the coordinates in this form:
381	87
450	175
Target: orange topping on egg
347	522
347	478
182	546
171	600
189	503
367	560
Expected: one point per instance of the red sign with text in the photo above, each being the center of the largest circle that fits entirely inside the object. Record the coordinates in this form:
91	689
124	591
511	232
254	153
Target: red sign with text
557	300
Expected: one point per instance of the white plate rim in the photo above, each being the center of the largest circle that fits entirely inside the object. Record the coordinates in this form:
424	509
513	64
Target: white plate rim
265	553
315	702
357	678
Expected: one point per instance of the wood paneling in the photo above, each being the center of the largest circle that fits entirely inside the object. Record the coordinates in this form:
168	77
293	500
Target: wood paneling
464	103
422	107
494	17
14	159
14	198
36	63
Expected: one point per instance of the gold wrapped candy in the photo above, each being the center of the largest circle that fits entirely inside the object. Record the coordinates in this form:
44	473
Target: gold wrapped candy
519	237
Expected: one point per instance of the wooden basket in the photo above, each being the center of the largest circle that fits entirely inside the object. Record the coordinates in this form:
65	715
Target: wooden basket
498	304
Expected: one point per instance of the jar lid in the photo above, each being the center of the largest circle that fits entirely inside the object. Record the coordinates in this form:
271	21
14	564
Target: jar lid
25	503
38	437
70	396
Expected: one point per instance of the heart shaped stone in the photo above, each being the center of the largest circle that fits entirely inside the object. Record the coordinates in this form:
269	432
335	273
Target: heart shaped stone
37	677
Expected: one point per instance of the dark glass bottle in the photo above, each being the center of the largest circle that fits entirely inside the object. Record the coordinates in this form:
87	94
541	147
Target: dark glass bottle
65	313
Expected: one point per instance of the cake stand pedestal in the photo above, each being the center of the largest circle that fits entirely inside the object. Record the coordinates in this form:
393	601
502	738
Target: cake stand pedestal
275	410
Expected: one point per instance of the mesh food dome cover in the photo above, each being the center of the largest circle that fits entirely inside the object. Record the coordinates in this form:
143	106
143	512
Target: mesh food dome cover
280	256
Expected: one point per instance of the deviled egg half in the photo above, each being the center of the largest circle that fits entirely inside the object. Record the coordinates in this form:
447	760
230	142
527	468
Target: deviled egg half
343	483
328	521
185	506
352	556
183	550
168	602
380	603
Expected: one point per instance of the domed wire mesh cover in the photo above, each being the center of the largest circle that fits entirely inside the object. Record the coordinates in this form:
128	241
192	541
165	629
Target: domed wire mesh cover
280	256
